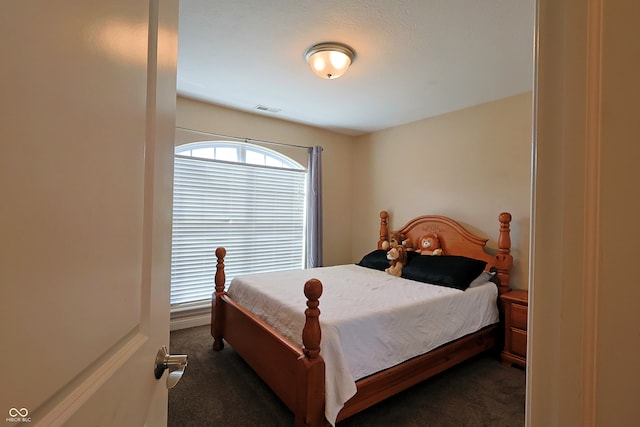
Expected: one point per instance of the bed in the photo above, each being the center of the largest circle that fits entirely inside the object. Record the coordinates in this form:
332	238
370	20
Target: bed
306	364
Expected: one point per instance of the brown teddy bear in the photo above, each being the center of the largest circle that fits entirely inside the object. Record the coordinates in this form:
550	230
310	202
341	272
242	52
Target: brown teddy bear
394	240
406	242
397	257
429	244
398	239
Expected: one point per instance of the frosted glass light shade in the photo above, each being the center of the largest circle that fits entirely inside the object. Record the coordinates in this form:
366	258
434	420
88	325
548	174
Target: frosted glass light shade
329	60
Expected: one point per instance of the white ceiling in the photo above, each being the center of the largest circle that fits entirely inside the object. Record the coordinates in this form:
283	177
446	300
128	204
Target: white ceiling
414	58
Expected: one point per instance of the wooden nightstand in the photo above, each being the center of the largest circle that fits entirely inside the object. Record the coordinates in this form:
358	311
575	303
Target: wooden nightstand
515	305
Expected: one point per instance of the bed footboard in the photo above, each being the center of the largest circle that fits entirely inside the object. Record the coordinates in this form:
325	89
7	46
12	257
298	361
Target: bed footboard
296	375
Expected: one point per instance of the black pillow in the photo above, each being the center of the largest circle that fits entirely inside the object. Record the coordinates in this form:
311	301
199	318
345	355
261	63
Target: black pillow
376	259
411	255
444	270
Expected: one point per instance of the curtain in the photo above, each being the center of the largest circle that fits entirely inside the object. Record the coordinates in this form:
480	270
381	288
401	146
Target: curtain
314	209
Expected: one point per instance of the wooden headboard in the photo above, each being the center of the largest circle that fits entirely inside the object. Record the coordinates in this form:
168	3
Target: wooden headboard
455	240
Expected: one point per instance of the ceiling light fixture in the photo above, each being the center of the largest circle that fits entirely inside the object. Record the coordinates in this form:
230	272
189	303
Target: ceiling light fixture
329	60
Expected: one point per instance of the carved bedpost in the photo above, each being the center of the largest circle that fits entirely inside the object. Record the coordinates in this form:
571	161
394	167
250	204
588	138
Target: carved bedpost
505	260
384	230
217	319
311	334
220	276
310	393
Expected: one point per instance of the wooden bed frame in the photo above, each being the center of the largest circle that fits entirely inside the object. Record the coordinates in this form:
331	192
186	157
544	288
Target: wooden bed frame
297	375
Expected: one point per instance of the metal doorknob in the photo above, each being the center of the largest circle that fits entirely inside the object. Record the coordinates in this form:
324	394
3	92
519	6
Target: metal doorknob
175	363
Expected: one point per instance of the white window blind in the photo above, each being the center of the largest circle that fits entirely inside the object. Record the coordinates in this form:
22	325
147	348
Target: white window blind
256	212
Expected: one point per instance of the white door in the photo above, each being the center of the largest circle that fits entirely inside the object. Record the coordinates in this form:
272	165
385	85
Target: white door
86	167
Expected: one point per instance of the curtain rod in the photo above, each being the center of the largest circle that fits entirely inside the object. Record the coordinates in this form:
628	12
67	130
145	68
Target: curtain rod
244	139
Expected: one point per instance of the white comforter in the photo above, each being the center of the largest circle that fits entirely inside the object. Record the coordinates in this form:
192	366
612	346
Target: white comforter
370	320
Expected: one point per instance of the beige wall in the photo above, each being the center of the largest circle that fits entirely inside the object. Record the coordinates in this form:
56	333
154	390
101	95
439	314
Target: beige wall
469	165
337	159
479	162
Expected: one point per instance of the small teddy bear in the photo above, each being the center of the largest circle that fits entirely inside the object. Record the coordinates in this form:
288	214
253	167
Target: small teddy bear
394	240
397	257
430	245
406	242
398	239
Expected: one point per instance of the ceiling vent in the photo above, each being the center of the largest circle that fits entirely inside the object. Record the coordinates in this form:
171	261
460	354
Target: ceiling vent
267	109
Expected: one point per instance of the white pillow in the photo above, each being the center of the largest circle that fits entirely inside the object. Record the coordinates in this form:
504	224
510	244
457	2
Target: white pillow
483	278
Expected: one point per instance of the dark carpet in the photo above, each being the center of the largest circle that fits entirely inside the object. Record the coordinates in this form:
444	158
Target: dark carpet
219	389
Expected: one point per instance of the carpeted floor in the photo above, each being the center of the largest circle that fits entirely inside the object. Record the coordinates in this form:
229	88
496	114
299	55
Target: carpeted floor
219	389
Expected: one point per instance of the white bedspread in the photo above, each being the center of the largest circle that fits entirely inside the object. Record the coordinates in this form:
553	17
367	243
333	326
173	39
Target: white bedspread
370	320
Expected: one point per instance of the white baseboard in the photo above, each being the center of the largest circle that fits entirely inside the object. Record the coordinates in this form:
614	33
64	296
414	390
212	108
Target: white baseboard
190	321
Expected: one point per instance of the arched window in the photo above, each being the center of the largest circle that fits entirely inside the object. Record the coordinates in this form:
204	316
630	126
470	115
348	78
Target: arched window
245	197
237	152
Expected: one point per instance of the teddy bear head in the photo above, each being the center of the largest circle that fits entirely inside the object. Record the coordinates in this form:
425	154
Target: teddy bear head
429	244
395	240
397	254
397	257
398	239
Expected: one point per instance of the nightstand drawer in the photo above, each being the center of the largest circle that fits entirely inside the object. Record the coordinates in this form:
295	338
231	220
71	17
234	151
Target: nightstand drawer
515	305
519	316
519	343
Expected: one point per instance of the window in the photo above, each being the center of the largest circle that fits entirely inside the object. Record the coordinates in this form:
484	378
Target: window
247	198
